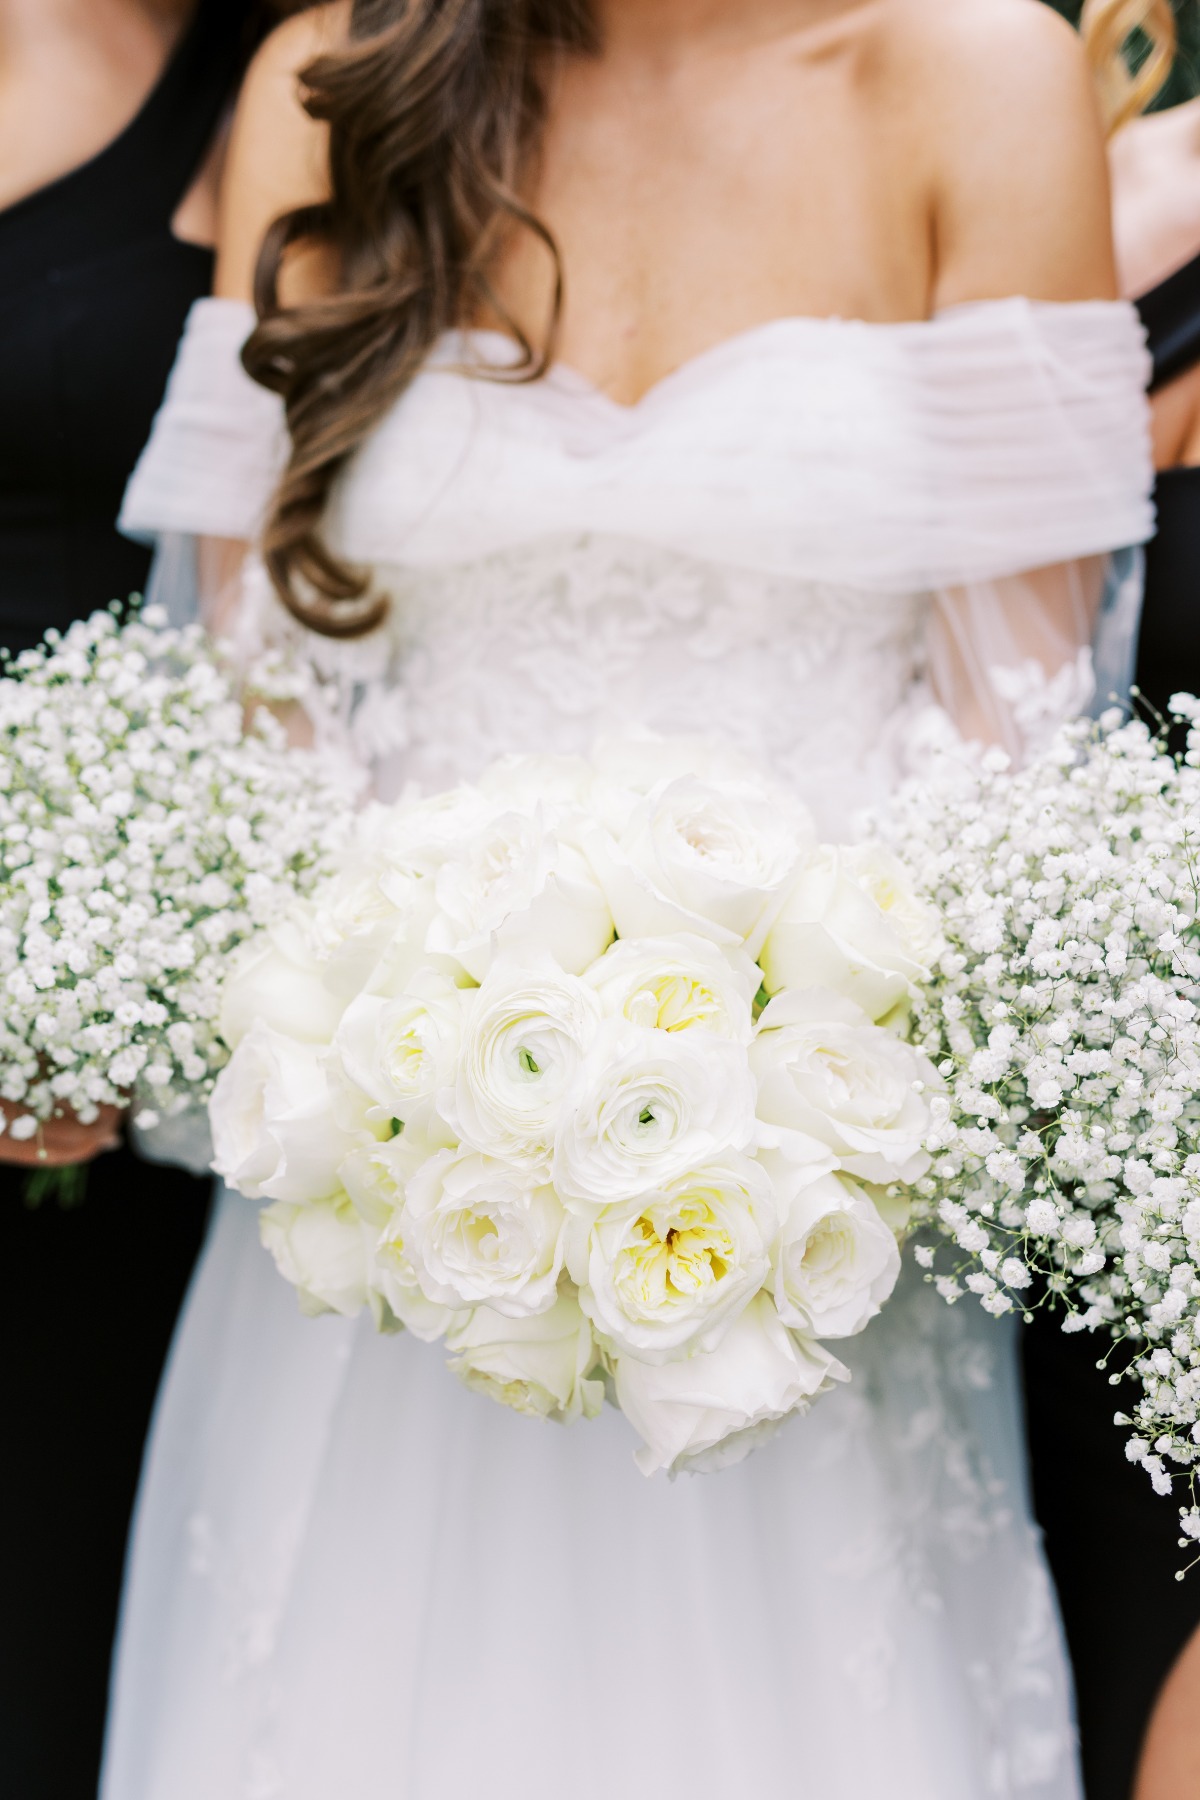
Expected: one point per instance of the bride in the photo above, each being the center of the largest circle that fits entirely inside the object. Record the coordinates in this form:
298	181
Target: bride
744	367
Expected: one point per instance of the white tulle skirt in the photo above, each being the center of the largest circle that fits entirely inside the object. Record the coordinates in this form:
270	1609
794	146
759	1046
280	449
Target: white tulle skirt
352	1579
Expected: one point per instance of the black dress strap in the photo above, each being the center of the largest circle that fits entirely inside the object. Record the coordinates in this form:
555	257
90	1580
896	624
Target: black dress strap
130	189
1171	314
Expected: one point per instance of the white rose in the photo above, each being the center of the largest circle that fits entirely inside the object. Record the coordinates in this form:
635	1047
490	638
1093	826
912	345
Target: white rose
414	835
711	1410
376	1176
562	784
518	882
274	980
852	922
524	1041
636	762
483	1233
376	1179
703	859
677	984
648	1106
542	1365
401	1050
283	1119
668	1276
825	1070
321	1247
836	1261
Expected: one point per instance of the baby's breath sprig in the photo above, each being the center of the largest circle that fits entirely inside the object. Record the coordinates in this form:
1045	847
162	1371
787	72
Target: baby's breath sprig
1064	1016
144	832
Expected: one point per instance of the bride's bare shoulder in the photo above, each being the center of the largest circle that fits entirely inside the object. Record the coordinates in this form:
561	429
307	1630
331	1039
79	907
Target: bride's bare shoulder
278	156
1006	120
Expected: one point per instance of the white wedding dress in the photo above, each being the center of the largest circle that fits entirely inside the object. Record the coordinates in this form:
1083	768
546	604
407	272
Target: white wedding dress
351	1578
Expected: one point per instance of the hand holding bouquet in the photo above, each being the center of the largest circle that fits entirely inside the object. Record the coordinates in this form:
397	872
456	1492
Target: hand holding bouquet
591	1072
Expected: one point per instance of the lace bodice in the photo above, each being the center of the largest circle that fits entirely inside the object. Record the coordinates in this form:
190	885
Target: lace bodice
755	550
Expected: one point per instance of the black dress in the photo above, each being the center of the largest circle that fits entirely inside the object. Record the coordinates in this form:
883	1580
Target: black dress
1112	1542
93	293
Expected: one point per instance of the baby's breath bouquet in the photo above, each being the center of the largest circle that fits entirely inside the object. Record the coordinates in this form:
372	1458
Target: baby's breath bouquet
1064	1016
144	831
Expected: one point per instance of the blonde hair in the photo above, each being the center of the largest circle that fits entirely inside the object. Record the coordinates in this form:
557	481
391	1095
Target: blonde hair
1107	26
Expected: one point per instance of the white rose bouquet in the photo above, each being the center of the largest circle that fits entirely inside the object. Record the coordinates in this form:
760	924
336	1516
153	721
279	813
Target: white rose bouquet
591	1071
143	833
1064	1016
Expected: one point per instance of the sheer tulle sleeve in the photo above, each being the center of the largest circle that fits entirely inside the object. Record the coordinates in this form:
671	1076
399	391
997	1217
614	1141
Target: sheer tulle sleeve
1010	659
1055	452
218	442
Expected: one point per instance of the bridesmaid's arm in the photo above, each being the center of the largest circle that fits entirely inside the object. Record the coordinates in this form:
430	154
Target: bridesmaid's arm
278	158
1170	1765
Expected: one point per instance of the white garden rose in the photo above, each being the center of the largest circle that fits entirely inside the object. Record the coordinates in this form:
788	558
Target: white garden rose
322	1248
414	836
636	762
713	1409
367	926
391	1274
852	922
647	1106
376	1176
678	983
561	785
480	1232
697	858
401	1050
515	882
545	1366
273	979
283	1118
823	1069
529	1028
668	1275
835	1262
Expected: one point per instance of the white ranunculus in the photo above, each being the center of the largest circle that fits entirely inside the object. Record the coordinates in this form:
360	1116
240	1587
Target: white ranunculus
321	1247
677	984
852	922
480	1232
542	1365
529	1028
648	1106
515	882
400	1051
273	979
711	1410
283	1119
668	1276
693	857
825	1070
835	1261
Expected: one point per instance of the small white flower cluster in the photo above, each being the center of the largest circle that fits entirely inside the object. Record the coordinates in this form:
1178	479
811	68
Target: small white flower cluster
1064	1016
143	834
580	1070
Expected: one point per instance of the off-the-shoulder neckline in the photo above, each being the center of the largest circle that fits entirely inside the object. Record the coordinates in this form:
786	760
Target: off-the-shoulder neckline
496	350
450	350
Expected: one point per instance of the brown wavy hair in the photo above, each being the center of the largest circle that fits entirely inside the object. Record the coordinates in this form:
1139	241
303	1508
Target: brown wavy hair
1110	29
434	110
